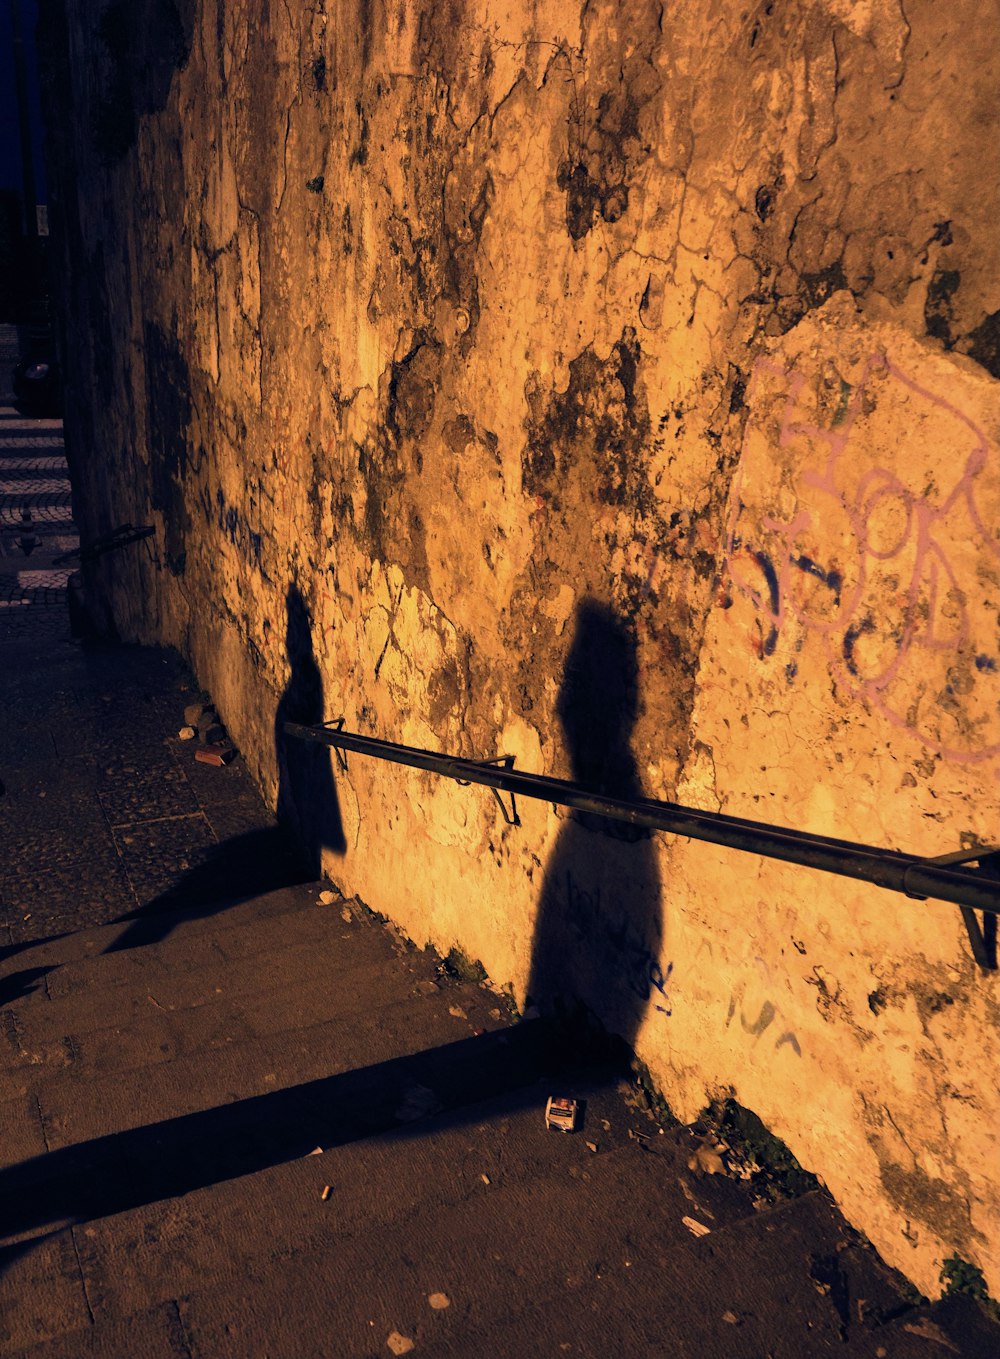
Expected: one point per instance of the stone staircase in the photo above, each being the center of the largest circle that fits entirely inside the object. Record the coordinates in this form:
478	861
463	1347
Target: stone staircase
162	1191
36	526
237	1121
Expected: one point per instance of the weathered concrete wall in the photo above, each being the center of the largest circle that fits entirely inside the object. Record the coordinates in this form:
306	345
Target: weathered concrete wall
614	385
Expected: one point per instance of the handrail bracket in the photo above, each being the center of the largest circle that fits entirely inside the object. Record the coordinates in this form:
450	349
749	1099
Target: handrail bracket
982	936
499	762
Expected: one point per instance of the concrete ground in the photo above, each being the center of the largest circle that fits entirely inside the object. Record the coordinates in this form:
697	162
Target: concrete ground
241	1119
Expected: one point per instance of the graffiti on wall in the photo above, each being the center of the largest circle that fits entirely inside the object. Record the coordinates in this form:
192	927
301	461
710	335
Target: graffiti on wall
599	922
757	1011
876	564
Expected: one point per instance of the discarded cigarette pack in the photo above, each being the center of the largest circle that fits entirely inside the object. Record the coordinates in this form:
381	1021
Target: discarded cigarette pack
562	1114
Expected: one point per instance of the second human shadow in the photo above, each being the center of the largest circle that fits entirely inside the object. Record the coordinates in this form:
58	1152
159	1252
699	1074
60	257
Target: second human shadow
596	947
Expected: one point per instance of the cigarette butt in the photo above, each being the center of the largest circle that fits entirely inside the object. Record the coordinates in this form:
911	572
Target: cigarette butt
485	1178
326	1193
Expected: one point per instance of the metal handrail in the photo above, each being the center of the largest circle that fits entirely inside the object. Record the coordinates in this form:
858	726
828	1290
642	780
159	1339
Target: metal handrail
946	878
111	542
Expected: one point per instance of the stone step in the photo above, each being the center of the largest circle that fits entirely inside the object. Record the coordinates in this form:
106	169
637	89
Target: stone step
219	992
157	1334
783	1284
52	1064
786	1283
90	954
266	1065
411	1204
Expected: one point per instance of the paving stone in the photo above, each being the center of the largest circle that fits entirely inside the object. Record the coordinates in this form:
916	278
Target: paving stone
146	794
21	1135
43	1289
158	1334
160	854
39	902
81	955
33	842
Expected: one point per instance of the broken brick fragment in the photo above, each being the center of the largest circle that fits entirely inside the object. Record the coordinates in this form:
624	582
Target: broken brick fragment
214	754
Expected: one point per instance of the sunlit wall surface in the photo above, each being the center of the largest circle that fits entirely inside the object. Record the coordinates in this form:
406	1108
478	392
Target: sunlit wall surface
612	385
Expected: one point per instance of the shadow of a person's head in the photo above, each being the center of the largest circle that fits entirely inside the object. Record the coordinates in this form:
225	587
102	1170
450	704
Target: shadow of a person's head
598	701
303	695
307	796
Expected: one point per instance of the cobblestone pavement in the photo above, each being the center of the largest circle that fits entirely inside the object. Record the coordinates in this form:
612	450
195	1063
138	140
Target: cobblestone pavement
104	809
9	350
36	528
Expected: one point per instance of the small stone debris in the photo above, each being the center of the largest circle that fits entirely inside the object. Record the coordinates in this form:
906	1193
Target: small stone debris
562	1113
399	1344
694	1227
193	712
346	916
706	1159
593	1146
495	1013
316	1151
187	733
439	1301
326	1193
457	1012
730	1318
485	1178
327	898
213	734
217	755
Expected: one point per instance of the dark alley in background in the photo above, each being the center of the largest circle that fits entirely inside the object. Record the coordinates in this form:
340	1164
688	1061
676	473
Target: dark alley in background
25	281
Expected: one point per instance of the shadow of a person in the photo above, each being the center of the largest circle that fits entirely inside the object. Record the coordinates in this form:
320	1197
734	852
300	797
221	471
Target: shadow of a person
272	857
596	947
307	794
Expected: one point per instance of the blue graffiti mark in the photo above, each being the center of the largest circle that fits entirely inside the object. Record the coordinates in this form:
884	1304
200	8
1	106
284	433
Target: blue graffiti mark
851	636
774	599
233	524
765	1018
833	579
658	980
986	663
791	670
642	969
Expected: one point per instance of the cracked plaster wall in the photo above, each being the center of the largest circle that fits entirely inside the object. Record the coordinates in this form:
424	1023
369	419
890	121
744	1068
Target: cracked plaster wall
456	316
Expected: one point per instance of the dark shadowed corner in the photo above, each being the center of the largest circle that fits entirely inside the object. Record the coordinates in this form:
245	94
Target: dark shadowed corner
264	860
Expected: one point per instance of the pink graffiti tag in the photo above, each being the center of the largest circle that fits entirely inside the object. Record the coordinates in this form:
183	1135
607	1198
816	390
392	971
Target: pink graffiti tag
877	525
